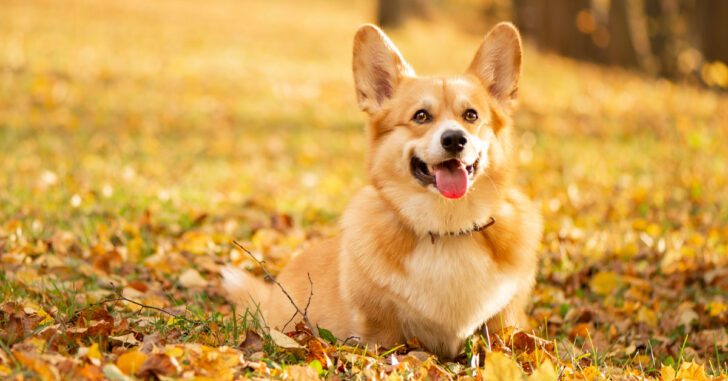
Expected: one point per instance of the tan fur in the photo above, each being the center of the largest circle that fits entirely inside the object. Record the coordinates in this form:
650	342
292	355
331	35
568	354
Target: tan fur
386	279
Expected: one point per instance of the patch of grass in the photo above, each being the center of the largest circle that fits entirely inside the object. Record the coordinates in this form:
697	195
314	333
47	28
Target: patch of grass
140	139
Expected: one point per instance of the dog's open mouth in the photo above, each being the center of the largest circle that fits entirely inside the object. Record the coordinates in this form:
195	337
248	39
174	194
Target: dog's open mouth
451	177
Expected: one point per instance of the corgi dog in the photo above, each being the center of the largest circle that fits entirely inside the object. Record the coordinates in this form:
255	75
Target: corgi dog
441	243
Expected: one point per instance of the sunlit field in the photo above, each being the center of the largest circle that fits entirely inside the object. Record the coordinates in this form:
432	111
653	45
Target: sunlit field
139	139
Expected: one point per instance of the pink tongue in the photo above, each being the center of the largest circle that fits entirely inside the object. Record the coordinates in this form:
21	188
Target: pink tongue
451	178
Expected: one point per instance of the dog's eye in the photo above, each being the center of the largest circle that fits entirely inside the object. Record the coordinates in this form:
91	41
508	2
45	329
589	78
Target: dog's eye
470	115
422	116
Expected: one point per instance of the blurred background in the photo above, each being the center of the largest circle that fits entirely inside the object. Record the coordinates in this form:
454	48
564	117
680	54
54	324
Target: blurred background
231	111
677	39
181	110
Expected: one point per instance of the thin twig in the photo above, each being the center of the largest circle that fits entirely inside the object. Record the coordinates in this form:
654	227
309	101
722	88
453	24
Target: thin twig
122	298
308	303
353	338
310	294
298	310
295	313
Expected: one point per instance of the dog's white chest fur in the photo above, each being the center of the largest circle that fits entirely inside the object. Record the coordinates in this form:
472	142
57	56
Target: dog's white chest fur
453	285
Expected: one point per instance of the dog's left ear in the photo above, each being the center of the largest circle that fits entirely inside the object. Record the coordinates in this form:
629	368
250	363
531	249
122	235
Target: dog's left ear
497	64
378	68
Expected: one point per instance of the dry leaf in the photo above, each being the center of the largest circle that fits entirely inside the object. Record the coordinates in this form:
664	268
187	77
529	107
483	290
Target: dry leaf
545	372
191	278
498	367
316	351
131	362
283	341
159	365
605	283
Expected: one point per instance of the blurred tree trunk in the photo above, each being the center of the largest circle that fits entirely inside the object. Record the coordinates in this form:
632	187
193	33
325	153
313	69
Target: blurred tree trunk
553	25
390	13
669	35
621	50
712	20
670	38
661	44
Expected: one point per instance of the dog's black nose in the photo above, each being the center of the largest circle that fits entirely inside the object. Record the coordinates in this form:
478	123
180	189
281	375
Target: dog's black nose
453	141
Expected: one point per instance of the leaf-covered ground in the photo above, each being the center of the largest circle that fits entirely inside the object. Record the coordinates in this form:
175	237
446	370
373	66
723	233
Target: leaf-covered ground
139	139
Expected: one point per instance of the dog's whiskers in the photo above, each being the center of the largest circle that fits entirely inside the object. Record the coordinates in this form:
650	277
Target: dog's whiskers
493	184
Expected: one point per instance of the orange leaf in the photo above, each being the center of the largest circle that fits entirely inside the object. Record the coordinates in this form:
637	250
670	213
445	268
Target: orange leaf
130	362
32	363
91	372
316	351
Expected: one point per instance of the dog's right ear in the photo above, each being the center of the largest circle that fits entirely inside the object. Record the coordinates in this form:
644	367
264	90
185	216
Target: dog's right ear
378	68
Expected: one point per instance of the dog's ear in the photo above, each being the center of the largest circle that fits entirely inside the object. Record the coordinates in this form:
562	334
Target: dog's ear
378	68
498	62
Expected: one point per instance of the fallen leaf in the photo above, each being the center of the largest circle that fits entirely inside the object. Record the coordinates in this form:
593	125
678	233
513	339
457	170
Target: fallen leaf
605	283
327	335
580	330
647	316
691	371
159	365
300	372
45	372
283	341
131	362
498	367
716	308
687	316
129	339
91	372
317	352
113	373
191	278
545	372
667	373
252	342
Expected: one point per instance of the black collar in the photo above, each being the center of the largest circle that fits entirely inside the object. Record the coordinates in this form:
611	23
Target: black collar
475	228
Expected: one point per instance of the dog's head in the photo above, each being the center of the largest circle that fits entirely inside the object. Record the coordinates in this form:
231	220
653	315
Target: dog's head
433	140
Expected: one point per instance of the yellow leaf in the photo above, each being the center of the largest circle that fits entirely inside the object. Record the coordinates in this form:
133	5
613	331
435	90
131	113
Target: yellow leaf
605	282
498	367
27	276
697	240
643	360
196	242
639	224
31	307
592	373
130	362
175	320
716	308
653	230
647	316
174	352
667	373
264	238
691	371
545	372
93	352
